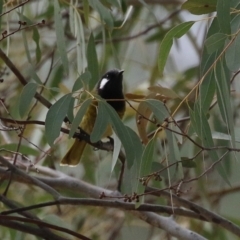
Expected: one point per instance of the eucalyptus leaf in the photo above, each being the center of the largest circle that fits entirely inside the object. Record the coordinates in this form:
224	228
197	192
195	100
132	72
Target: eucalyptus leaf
78	118
26	97
101	123
200	125
61	45
166	44
128	137
158	108
223	16
199	7
92	62
146	165
55	116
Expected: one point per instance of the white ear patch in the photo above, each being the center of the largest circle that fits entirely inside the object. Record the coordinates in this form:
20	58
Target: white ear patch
103	83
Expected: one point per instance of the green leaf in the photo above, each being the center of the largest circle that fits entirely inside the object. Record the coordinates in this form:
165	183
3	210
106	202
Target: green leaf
26	97
158	108
207	88
188	163
135	168
1	8
223	136
61	45
116	150
36	36
70	110
233	52
55	116
199	7
101	123
114	3
167	92
78	118
166	44
86	11
215	42
222	77
92	62
31	69
200	125
57	76
174	154
223	16
82	79
103	12
25	150
128	137
146	164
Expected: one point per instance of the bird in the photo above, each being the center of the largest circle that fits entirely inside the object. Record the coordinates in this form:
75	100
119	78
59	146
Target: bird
109	87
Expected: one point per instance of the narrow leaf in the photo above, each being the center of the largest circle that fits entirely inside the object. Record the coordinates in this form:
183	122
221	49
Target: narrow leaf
188	163
116	150
167	92
143	113
199	7
158	108
86	11
78	118
101	123
92	62
70	110
166	44
36	37
215	42
146	164
26	97
223	97
55	116
233	52
82	79
224	136
200	125
223	16
61	45
1	8
103	12
174	154
207	88
128	137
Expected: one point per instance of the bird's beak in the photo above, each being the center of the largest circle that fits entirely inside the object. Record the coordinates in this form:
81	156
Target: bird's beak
121	72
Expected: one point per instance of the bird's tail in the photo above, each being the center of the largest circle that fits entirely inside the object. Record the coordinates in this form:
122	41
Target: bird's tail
74	154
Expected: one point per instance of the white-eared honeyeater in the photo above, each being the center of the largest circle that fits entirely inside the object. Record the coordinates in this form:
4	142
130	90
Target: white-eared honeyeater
110	88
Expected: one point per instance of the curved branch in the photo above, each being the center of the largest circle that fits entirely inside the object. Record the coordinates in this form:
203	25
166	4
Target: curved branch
31	179
152	218
210	216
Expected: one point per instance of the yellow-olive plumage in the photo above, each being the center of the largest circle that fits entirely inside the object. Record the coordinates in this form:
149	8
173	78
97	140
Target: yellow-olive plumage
109	87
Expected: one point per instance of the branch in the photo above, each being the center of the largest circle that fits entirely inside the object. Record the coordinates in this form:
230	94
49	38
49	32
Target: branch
12	205
31	179
210	216
108	203
42	224
169	225
78	186
20	5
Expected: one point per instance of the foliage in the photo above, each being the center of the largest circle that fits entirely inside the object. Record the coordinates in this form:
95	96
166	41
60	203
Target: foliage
179	137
